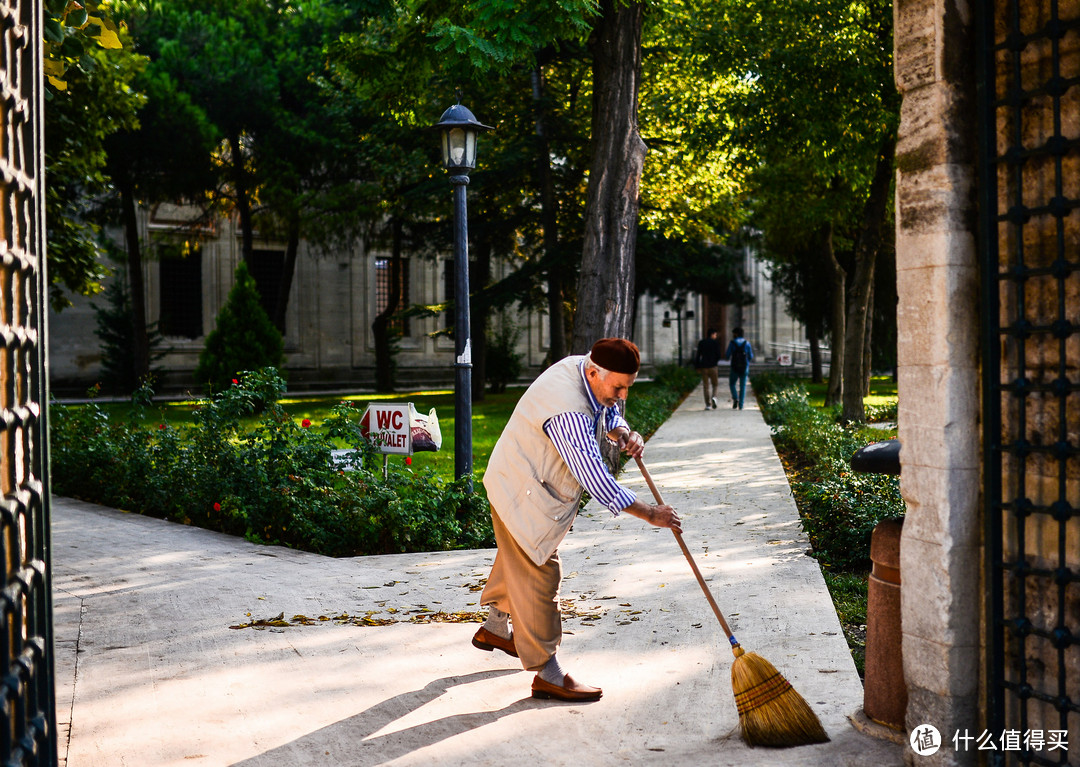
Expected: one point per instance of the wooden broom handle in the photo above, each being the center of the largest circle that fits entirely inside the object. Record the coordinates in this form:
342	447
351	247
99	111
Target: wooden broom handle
685	551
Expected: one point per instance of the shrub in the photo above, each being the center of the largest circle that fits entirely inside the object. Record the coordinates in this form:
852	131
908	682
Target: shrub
839	507
275	482
244	337
886	412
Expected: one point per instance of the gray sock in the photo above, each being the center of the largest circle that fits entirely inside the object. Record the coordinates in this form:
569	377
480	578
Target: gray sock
552	672
496	622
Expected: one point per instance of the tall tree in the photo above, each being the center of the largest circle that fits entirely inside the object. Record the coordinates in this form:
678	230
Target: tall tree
549	214
816	107
217	52
671	269
305	151
165	158
606	282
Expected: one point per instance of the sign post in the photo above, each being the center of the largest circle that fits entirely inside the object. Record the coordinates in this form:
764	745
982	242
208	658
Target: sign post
388	429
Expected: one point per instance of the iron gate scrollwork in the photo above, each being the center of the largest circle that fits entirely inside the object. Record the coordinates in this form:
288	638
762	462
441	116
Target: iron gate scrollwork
1028	78
26	655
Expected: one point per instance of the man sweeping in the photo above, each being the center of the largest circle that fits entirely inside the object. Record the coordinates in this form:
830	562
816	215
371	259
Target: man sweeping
547	455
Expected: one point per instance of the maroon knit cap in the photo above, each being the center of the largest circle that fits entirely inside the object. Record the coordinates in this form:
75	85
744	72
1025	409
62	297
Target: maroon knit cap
617	355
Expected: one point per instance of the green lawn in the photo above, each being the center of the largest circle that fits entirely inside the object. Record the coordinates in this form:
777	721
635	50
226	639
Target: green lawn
882	391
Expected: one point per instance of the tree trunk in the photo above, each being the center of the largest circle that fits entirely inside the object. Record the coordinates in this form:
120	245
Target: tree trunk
867	244
814	339
380	328
243	199
140	337
837	300
288	271
479	277
868	356
550	221
606	284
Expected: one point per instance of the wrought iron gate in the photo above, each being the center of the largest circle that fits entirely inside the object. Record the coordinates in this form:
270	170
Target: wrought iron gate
26	652
1028	78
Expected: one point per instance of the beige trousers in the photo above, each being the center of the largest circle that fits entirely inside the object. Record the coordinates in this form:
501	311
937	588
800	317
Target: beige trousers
710	382
529	593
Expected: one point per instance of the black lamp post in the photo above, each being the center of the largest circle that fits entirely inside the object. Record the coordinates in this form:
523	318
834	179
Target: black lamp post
459	130
679	317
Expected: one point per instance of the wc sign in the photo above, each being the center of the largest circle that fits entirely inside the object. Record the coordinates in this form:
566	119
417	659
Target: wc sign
387	427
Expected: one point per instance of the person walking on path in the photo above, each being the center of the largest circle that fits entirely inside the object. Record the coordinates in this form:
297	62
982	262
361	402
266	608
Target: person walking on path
706	359
548	453
741	354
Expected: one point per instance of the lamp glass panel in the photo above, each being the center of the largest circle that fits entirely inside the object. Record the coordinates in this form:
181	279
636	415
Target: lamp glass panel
470	148
446	148
456	138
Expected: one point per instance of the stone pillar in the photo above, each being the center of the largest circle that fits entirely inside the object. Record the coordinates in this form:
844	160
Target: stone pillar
938	288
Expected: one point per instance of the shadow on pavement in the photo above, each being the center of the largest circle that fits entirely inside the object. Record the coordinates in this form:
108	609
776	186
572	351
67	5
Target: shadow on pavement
357	731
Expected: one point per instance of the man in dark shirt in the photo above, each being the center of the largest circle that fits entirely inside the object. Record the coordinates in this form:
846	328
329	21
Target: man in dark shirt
708	355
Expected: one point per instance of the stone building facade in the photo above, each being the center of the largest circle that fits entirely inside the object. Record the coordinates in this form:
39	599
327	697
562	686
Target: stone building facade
334	300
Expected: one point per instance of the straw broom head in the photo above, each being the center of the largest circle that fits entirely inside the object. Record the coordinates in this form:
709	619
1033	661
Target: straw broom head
771	712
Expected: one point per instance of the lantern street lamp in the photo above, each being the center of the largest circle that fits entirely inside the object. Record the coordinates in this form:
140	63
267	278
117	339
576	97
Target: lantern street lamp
459	130
679	317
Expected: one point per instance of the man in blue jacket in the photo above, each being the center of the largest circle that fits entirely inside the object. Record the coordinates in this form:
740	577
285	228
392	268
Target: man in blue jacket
741	354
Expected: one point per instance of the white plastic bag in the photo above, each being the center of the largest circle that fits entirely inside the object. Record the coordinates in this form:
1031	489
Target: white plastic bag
426	434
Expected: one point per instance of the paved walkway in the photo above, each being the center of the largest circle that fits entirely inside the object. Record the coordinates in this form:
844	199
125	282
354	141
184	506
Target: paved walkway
151	673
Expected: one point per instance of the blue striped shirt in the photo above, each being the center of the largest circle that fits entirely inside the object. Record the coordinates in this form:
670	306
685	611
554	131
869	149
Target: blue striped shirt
574	436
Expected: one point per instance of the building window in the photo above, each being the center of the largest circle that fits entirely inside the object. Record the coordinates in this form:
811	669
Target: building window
382	292
266	268
180	290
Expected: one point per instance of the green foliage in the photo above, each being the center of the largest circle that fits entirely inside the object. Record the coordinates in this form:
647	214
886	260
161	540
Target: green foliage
71	30
117	335
671	268
882	412
503	364
496	34
244	339
88	97
276	481
839	507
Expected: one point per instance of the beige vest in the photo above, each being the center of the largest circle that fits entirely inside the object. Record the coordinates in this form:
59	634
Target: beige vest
527	481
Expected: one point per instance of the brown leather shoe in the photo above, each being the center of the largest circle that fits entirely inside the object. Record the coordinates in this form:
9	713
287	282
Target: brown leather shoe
485	640
570	690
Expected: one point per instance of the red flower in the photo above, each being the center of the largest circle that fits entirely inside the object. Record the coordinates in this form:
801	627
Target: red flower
235	381
161	426
217	507
408	460
306	422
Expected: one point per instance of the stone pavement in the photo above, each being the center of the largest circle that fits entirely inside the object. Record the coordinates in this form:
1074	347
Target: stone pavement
150	672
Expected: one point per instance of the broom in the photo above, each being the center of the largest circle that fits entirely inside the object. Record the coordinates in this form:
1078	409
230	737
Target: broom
771	712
